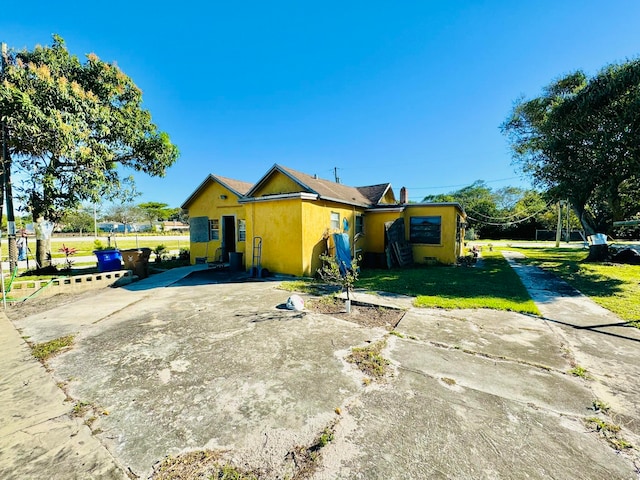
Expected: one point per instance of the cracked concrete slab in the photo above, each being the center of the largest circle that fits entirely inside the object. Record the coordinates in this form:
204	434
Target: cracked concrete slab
188	365
38	436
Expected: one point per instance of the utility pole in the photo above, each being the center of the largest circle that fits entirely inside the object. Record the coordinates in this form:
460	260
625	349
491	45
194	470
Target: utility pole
568	219
559	226
6	179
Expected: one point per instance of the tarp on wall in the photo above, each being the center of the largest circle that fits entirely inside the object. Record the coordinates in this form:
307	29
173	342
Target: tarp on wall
343	252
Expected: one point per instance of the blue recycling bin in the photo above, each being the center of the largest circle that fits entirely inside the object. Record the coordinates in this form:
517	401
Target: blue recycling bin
109	260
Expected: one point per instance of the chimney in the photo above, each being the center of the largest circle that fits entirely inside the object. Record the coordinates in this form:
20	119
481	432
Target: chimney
404	196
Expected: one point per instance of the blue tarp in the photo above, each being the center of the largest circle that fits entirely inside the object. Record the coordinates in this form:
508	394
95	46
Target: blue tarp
343	252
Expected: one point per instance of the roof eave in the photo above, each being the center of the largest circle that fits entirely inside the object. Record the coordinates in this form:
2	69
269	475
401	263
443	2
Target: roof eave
196	192
279	196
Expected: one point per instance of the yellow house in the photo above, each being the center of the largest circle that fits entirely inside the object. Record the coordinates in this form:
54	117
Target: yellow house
217	220
284	223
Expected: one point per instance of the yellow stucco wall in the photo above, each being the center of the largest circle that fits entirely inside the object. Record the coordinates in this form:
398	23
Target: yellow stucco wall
316	223
278	223
209	204
449	249
278	183
373	241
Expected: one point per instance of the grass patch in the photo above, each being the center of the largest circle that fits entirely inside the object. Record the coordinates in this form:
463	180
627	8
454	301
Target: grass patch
369	360
200	464
85	245
300	463
494	285
611	285
309	286
44	351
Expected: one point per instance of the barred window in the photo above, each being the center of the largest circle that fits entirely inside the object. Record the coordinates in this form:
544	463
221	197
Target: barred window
425	230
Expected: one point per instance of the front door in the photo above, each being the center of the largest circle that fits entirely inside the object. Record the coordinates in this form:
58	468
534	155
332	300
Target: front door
228	236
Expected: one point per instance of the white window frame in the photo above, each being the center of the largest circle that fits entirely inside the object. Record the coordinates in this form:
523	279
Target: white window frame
335	220
214	229
242	230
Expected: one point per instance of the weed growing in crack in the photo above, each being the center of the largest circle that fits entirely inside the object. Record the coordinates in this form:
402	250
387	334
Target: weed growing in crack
306	460
200	464
80	409
600	406
44	351
369	359
609	432
579	371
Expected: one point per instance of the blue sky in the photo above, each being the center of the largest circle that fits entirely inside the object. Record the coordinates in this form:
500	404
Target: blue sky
411	93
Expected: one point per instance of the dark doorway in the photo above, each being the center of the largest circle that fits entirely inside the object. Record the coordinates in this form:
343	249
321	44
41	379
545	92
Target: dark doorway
228	236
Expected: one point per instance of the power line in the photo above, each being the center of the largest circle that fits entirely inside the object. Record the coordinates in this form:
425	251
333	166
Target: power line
460	184
502	224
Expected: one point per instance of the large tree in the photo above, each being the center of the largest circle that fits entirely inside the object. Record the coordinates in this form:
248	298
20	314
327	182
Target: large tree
580	140
71	127
508	212
155	211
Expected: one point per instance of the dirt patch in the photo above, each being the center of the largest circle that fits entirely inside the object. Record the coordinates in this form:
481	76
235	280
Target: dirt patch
21	309
363	314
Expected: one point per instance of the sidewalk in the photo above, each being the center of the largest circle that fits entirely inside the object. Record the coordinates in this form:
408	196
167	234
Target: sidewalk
37	430
590	330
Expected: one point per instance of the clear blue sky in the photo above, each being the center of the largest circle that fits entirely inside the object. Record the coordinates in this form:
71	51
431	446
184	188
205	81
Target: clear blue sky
411	93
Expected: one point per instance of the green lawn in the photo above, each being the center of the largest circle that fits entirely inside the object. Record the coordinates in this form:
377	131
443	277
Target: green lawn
616	287
494	285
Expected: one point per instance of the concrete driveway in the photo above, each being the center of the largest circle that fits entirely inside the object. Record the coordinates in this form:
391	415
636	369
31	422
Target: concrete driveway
188	365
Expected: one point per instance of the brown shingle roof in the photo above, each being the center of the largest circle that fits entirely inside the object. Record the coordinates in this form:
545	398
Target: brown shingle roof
369	195
238	186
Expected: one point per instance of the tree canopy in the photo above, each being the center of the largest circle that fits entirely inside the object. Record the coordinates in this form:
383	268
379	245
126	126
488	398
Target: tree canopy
506	212
71	126
580	140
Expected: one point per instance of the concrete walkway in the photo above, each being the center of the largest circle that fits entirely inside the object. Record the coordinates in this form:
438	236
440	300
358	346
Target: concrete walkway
600	341
39	436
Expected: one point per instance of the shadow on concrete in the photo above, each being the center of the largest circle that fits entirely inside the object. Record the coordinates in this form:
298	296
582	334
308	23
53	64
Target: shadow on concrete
194	275
592	328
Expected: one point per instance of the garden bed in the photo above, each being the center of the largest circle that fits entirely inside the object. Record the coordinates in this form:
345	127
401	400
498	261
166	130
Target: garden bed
363	314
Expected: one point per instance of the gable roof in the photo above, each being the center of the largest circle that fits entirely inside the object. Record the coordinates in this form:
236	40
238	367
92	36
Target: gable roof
363	196
237	187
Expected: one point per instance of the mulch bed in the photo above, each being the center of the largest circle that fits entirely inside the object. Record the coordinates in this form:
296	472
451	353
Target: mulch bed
361	313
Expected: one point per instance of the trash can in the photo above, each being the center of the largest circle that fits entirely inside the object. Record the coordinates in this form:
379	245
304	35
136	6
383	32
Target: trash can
137	260
108	260
235	261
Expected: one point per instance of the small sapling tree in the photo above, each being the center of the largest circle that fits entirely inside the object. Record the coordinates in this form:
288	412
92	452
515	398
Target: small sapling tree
339	274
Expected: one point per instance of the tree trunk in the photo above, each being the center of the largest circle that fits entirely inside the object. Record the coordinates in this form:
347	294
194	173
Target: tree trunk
43	244
585	219
598	253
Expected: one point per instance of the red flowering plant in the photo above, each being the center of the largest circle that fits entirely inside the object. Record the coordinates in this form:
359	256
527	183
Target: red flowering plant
68	252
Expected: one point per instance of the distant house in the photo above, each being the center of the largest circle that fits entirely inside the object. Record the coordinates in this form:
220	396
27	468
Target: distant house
172	226
117	227
287	219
